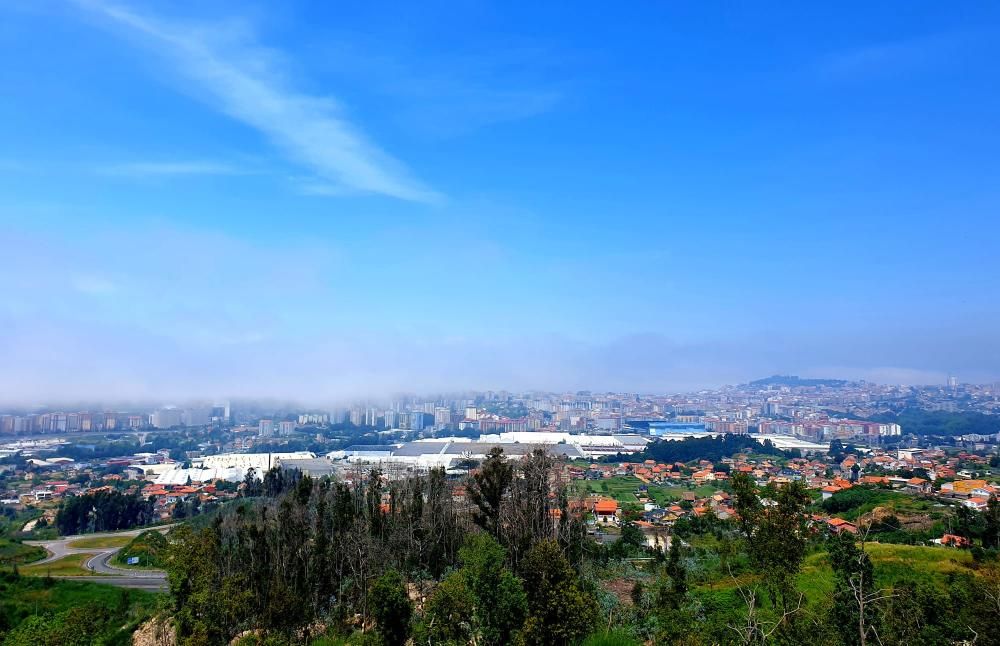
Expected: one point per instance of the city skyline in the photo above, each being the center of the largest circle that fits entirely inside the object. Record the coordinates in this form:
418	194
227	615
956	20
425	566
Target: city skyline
308	202
952	395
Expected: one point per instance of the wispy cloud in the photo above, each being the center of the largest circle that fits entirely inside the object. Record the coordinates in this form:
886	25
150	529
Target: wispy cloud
93	285
170	168
242	79
312	186
895	57
446	96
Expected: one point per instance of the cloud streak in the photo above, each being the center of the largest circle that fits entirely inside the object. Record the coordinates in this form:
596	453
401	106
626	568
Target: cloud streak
897	57
241	79
169	169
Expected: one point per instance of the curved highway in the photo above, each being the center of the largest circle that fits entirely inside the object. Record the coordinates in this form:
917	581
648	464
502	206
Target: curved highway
100	564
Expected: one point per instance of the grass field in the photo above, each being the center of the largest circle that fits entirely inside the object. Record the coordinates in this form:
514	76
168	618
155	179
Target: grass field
150	547
54	596
99	542
69	565
901	504
893	563
21	597
14	552
622	489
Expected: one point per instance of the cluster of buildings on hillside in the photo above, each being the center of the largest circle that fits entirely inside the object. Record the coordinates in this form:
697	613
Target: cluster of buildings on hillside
815	410
45	477
945	482
44	482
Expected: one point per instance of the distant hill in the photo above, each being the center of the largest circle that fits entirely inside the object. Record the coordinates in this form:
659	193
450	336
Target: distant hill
793	380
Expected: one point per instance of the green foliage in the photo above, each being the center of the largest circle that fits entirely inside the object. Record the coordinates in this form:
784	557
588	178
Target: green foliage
703	448
150	547
672	593
206	607
391	608
775	533
277	565
499	600
487	490
858	496
632	536
561	611
12	551
855	602
483	601
611	638
991	524
103	511
629	542
79	626
937	422
46	611
448	615
340	554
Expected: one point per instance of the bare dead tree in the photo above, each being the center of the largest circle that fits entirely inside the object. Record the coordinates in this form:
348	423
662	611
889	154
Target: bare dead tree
756	627
864	597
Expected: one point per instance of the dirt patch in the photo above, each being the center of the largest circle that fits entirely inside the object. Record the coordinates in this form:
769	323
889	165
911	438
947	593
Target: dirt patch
158	631
621	588
909	522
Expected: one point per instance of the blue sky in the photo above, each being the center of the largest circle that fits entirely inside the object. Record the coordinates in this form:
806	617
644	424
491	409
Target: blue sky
325	200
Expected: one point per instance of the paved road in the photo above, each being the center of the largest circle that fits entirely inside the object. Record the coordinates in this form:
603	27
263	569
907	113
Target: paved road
148	583
99	562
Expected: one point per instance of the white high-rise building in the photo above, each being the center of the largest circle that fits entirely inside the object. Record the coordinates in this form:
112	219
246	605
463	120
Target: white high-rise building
199	416
442	416
166	418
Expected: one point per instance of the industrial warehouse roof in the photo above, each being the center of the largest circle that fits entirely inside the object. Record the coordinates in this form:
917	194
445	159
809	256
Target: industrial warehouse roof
313	467
416	449
371	448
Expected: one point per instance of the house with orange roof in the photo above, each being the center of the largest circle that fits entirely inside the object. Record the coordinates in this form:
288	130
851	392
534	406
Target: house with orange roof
953	541
606	511
962	487
704	475
978	503
829	490
943	472
918	485
839	526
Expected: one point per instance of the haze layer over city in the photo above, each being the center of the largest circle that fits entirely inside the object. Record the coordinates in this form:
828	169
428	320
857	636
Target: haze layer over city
499	323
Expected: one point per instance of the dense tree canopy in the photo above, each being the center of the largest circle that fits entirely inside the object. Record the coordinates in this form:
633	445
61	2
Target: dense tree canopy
103	511
389	558
704	448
